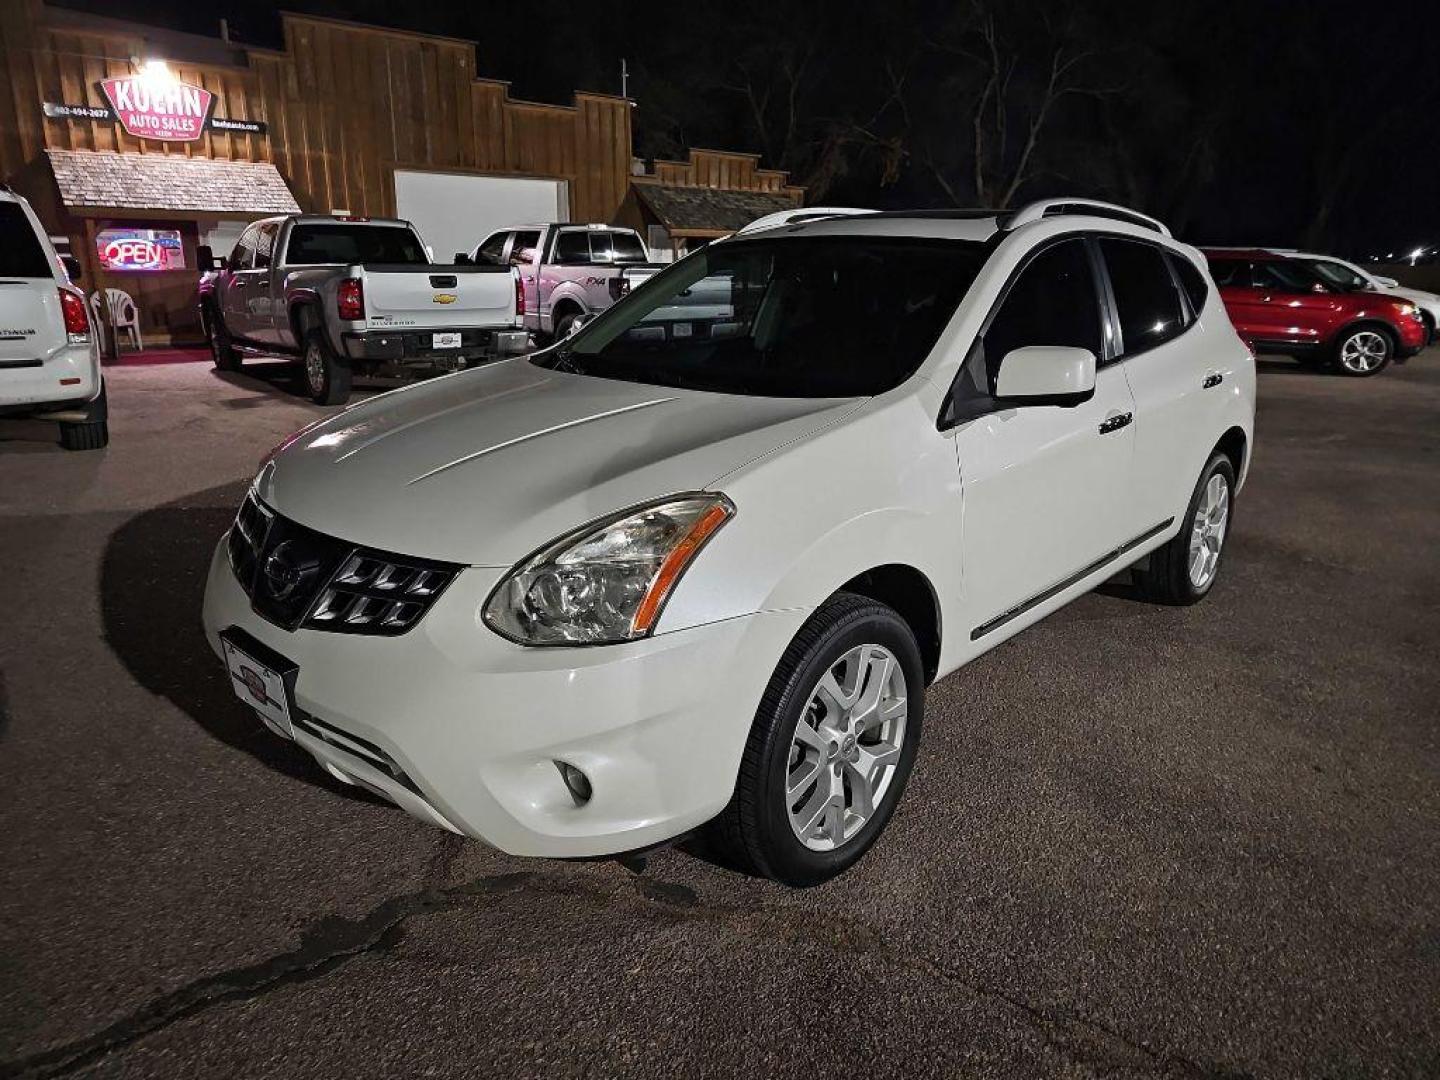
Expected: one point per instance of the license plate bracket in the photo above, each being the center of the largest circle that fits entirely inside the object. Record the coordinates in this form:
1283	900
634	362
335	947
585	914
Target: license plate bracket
445	341
262	679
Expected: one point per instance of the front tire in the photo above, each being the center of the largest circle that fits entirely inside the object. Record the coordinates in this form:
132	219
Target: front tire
93	433
1364	351
327	377
1184	570
222	350
831	747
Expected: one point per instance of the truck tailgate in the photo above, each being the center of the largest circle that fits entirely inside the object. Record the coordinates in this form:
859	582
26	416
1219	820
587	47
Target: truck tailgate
442	297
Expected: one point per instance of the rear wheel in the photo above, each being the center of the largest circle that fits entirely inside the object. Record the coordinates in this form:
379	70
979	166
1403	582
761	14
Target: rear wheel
831	747
1364	351
1183	571
222	351
327	377
564	325
93	432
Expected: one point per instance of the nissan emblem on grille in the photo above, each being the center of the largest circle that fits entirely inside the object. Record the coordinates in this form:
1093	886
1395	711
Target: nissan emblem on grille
286	569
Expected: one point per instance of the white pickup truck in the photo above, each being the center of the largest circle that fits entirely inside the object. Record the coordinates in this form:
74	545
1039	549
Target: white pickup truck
349	295
568	272
49	352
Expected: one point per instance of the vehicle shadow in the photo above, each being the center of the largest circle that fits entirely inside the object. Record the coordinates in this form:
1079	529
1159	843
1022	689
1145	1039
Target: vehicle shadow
283	378
25	436
152	584
1283	365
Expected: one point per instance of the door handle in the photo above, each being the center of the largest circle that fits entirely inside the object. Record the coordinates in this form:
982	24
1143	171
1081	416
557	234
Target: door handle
1116	422
1215	378
238	283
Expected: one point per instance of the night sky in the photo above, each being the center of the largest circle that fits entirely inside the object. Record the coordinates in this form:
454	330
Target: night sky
1238	122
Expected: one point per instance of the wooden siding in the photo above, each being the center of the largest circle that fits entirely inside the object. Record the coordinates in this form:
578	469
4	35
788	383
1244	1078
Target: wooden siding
345	104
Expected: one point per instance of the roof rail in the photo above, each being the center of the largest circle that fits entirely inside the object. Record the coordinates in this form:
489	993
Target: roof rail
801	215
1089	207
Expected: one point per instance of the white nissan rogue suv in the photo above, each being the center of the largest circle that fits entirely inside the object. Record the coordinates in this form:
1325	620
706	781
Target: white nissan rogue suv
697	565
49	354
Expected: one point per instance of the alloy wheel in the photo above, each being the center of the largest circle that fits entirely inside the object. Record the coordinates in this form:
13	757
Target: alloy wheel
845	748
1364	352
315	369
1207	531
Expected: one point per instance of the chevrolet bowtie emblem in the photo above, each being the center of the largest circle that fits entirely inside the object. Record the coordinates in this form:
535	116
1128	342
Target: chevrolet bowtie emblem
445	298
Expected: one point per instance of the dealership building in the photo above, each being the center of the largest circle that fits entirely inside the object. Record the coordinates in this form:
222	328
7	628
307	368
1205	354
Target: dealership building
136	145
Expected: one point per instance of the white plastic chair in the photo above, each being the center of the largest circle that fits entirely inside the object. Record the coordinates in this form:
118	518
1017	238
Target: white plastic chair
124	315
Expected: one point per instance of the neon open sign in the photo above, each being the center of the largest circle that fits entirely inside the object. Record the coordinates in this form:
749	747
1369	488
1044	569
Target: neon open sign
140	249
159	108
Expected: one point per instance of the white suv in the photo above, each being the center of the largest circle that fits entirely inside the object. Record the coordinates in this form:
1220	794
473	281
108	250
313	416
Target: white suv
49	354
684	570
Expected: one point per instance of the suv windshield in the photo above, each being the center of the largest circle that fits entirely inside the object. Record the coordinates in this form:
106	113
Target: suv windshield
843	316
21	255
321	243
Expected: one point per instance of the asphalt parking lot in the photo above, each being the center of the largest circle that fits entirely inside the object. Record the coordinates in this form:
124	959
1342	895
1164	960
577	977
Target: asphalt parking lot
1139	841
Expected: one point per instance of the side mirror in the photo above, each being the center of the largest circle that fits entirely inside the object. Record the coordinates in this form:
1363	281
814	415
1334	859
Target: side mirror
205	259
72	267
1046	375
1388	282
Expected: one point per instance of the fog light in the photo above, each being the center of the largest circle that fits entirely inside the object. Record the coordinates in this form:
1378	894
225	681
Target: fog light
576	781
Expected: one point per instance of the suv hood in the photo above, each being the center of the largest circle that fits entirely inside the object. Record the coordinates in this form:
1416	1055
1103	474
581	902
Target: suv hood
486	466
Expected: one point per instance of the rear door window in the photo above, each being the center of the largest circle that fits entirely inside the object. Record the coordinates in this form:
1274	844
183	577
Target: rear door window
572	246
21	253
621	247
1191	280
1147	300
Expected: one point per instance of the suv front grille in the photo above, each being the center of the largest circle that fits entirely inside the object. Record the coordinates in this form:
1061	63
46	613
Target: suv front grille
295	576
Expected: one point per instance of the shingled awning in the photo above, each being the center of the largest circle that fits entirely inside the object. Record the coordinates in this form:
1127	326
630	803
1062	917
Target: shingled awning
699	211
105	179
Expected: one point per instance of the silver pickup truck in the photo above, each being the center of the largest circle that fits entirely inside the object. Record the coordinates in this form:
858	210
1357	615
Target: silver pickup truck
568	272
350	295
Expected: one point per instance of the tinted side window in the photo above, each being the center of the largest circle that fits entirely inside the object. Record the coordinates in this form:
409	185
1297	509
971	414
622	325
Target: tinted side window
21	254
572	246
1229	272
1191	280
1146	300
265	245
1052	302
244	253
1283	275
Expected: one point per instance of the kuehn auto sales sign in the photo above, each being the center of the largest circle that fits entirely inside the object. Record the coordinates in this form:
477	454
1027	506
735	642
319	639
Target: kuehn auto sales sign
149	109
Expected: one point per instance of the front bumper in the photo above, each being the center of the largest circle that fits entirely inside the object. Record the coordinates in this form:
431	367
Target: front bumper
464	729
418	345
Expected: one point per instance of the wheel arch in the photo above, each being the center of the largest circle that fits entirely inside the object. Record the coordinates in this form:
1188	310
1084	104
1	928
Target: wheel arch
912	595
1367	322
1235	445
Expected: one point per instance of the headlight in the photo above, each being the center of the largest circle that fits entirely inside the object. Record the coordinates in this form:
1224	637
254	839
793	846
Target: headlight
1409	309
607	581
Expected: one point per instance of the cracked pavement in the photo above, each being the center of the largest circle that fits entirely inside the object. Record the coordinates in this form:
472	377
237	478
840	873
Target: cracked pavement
1139	842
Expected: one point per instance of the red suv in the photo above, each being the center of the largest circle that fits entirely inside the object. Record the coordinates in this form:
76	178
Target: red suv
1279	304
